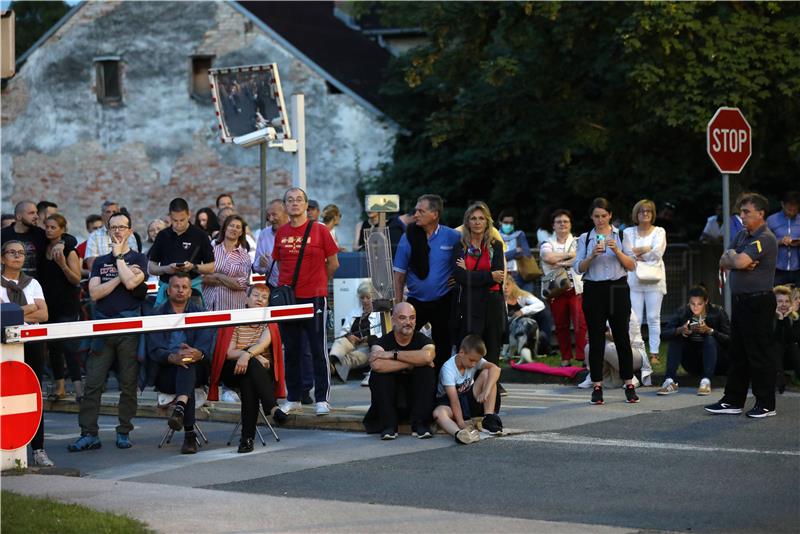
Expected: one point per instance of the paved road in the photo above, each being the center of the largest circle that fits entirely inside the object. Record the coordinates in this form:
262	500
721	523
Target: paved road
566	467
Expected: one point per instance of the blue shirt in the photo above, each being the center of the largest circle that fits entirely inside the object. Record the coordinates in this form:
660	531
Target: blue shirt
782	226
440	261
605	266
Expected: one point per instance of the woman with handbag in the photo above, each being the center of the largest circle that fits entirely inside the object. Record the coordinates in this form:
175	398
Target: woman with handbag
603	262
563	286
479	272
648	281
520	262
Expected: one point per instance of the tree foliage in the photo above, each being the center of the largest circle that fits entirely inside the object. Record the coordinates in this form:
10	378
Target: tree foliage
33	20
537	105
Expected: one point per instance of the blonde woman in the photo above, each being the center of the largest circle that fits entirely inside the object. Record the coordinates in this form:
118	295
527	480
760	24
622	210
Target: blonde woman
648	279
787	336
479	272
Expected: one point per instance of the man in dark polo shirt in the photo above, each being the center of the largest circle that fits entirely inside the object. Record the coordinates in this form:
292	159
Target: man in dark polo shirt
182	247
117	290
751	265
402	360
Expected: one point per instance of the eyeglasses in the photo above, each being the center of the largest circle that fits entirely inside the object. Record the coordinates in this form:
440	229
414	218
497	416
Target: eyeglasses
292	200
120	228
645	210
15	253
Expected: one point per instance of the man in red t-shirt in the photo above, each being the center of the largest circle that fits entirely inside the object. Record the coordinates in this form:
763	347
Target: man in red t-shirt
317	267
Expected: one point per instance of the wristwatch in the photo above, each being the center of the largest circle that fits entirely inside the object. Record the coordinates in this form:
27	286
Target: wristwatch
394	354
120	256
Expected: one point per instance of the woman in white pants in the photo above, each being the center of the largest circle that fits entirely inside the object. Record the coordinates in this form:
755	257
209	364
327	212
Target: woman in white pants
648	281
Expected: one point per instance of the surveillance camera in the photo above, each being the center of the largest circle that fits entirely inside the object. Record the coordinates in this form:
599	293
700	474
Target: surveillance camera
260	136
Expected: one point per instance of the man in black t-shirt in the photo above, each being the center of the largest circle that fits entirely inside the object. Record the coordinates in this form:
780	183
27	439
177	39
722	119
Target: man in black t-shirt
182	247
401	361
117	290
25	229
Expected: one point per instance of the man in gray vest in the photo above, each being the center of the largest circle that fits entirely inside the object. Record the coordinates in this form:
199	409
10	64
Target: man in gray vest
751	265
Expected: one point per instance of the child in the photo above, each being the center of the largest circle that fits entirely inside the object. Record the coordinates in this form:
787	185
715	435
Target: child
461	394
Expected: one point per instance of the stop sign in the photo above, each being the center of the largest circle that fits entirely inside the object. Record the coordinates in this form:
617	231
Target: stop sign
20	405
729	140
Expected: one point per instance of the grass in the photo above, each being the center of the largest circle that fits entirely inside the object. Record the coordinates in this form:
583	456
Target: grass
23	515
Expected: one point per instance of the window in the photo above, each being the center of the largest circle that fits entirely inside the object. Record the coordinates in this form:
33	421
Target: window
108	84
199	86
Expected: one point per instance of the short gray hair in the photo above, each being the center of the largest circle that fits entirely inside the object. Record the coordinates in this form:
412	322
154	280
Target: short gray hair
365	288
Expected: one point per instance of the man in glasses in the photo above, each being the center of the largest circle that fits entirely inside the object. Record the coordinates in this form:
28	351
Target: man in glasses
116	286
99	241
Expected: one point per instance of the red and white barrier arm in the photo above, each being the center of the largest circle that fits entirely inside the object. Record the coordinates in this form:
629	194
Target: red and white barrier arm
255	278
155	323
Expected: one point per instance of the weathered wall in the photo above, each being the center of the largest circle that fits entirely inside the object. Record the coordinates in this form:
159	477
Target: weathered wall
60	144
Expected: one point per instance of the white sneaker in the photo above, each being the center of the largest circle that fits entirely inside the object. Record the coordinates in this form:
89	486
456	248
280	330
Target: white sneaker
365	380
587	382
705	387
668	387
229	396
322	408
291	407
40	459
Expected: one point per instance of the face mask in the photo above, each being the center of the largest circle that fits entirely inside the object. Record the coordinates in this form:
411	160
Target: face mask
506	228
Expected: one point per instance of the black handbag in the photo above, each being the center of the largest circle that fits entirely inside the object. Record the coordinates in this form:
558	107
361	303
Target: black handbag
284	295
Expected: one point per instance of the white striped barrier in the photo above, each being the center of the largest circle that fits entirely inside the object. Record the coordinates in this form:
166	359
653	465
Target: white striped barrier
155	323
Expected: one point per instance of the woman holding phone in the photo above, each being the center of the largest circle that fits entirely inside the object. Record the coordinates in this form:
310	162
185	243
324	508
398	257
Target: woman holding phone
604	265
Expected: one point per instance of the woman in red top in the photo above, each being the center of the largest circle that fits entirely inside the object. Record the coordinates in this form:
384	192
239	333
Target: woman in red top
479	273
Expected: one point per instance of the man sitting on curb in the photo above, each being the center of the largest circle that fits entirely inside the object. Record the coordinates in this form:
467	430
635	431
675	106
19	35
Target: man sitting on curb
181	355
468	388
697	334
401	362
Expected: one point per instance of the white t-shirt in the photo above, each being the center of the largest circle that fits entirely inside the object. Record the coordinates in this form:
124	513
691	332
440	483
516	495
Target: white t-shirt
449	376
32	291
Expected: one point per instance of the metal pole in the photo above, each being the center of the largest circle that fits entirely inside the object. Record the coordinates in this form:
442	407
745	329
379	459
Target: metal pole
726	233
299	130
263	151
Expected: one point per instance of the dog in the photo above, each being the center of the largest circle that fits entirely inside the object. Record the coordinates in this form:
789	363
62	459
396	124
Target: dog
523	333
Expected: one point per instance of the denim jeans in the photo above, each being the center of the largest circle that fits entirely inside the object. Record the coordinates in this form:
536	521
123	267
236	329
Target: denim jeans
697	357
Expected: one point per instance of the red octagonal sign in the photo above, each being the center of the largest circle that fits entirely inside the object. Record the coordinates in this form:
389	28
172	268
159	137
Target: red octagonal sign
729	140
21	405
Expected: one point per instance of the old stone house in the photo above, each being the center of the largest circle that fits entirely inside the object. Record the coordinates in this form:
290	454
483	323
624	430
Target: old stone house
114	103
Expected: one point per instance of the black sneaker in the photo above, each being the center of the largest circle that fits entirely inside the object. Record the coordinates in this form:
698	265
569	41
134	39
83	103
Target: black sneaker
175	422
388	434
759	411
245	445
597	395
307	399
723	408
279	417
421	431
189	443
630	394
492	424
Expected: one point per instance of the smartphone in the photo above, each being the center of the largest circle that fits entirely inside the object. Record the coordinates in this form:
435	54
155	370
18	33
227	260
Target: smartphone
601	240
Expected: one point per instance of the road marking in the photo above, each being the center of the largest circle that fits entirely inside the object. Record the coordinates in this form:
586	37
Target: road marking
524	407
554	437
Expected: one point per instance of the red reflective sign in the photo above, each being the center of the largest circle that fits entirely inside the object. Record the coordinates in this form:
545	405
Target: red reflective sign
729	140
21	405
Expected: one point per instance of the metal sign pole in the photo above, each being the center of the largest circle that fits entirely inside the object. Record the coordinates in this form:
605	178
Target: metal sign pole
299	130
726	234
263	151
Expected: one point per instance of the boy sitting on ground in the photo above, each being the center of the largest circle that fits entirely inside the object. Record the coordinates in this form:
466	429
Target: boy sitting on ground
468	388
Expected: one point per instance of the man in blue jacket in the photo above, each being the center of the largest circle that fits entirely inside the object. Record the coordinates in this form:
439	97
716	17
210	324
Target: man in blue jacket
183	358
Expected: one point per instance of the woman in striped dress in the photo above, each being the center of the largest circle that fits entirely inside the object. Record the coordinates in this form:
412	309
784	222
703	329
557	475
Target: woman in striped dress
225	288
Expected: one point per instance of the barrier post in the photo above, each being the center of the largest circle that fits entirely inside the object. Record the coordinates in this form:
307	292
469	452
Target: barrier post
11	315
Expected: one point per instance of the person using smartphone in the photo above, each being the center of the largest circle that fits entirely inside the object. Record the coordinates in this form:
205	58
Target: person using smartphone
698	334
785	224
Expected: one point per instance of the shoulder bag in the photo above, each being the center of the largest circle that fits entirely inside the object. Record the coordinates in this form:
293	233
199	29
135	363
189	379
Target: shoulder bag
284	295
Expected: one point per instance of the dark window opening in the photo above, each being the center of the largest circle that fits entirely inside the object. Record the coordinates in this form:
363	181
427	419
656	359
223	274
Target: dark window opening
109	86
332	89
199	83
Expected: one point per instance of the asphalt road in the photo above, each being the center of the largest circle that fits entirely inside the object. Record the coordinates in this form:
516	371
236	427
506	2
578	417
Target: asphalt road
661	465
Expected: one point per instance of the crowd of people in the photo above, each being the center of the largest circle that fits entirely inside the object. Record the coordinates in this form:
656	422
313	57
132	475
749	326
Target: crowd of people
463	302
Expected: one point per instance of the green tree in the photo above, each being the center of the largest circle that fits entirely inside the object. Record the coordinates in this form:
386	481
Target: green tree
33	20
540	104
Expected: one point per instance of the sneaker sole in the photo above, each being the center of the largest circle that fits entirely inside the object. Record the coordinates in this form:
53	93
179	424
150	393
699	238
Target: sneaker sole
491	433
703	393
388	437
632	401
662	393
426	435
597	403
725	411
762	415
